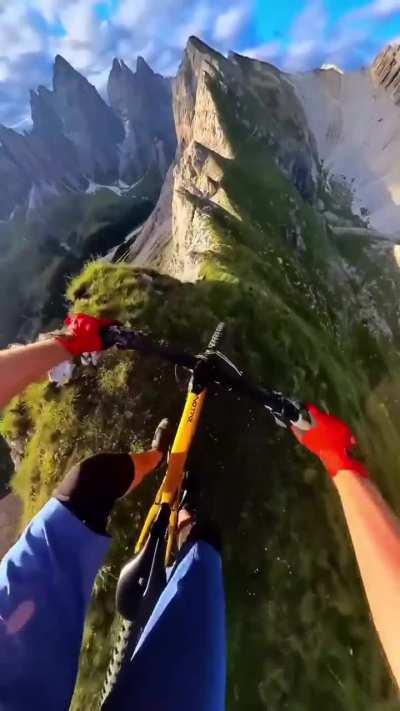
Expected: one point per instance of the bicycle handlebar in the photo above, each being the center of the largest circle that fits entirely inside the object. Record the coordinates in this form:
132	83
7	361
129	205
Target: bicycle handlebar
138	341
284	410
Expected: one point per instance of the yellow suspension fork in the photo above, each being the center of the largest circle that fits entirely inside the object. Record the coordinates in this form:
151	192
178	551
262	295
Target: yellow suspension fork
170	487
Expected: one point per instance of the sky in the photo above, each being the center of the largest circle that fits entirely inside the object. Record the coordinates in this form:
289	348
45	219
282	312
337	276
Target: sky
293	34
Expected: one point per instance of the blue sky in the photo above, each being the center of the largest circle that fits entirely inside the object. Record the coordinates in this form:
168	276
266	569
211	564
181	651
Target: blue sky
294	34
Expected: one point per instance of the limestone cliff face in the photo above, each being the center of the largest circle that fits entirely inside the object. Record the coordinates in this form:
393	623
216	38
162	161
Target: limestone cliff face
261	102
386	69
243	128
355	123
199	134
195	114
333	135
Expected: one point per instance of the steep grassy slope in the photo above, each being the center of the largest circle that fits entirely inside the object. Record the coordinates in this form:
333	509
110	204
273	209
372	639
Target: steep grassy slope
307	313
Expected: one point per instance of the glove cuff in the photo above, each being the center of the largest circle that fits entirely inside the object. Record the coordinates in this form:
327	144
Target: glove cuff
73	345
335	462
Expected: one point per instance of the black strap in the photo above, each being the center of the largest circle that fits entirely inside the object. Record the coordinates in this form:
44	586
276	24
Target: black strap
91	488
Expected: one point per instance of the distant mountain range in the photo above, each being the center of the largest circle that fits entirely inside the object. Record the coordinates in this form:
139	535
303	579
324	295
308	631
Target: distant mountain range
77	141
83	178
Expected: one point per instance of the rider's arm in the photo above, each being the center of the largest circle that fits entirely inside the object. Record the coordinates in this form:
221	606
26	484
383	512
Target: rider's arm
23	365
375	533
374	529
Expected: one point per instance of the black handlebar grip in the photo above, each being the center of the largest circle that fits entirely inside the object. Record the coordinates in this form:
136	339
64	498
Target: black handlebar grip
217	338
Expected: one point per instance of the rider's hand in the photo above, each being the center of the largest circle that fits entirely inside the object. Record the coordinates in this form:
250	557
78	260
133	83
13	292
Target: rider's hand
83	334
330	439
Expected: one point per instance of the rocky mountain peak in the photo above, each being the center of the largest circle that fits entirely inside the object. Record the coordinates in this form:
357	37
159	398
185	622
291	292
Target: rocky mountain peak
116	65
198	53
198	61
61	64
119	68
197	45
142	100
63	70
121	88
87	122
142	68
386	70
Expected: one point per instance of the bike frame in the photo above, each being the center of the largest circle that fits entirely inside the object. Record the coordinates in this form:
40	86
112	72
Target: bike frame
169	490
284	410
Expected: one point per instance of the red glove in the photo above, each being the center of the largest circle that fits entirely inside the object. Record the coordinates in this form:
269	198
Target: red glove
84	334
330	439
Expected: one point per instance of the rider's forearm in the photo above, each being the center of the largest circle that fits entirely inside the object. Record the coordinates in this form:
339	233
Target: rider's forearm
23	365
375	533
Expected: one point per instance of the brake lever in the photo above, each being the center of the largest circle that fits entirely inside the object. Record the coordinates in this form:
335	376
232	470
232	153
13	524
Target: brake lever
303	422
115	336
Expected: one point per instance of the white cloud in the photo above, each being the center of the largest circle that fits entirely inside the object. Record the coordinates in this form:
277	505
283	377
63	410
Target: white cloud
80	21
311	22
229	23
380	9
129	13
264	52
349	43
32	32
49	8
307	32
18	35
197	24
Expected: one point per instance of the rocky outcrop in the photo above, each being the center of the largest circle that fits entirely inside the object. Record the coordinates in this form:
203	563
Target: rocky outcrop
191	100
386	69
198	131
143	102
212	96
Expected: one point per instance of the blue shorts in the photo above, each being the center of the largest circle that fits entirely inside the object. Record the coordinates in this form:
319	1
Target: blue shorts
46	581
180	659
